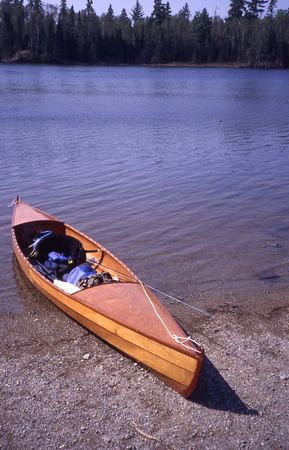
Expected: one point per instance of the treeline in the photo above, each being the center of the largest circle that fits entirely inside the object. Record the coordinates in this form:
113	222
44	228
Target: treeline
253	34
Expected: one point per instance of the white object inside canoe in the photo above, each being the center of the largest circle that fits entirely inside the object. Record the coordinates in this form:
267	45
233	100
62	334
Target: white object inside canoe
66	287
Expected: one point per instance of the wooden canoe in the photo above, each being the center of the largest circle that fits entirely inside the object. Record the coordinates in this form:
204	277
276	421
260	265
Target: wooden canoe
126	314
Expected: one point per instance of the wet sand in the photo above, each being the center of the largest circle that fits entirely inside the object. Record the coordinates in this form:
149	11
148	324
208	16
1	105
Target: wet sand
63	388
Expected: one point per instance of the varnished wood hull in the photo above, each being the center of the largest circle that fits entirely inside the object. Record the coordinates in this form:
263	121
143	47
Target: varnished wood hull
126	315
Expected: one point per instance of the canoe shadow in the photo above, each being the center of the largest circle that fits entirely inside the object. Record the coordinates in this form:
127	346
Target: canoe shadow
215	393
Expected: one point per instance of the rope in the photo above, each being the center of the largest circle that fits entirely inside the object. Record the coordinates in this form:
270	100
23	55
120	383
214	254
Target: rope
178	339
13	203
201	311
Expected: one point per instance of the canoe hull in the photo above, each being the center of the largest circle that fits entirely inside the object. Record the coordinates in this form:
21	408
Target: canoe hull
179	369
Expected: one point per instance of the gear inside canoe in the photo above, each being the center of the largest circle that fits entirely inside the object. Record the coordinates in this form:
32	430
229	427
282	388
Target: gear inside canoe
91	285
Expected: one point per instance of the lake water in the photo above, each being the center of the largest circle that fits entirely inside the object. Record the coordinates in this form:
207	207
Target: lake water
183	173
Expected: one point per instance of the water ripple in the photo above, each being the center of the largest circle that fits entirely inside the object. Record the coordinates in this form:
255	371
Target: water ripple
176	171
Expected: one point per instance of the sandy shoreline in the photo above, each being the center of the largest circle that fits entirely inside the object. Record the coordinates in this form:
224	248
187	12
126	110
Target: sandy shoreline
53	397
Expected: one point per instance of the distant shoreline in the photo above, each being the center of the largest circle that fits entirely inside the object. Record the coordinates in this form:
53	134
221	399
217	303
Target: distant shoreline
25	57
164	65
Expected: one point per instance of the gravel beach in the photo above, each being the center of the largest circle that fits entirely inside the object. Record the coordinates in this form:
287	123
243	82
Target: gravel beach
63	388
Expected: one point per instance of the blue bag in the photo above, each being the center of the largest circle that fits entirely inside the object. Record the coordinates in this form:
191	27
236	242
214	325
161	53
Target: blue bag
80	272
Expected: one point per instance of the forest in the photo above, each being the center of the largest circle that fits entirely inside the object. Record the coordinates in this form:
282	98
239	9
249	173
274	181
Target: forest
254	34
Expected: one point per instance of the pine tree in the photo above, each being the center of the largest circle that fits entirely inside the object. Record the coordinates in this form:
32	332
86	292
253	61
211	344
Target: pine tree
108	22
137	13
184	13
123	17
124	26
61	30
202	24
110	14
159	12
168	10
236	9
183	35
255	8
90	33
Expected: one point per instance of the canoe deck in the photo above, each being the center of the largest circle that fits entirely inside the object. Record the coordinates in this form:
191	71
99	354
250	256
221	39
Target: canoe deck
126	313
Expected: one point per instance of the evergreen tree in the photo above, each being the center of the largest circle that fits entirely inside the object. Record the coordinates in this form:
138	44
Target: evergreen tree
159	12
108	22
61	31
236	9
110	14
202	33
91	25
124	27
255	8
168	11
137	13
183	38
123	17
184	14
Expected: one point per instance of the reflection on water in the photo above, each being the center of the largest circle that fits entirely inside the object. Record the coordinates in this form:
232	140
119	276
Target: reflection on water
182	173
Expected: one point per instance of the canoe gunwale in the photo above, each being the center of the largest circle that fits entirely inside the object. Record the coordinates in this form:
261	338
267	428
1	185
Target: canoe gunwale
133	275
85	236
54	293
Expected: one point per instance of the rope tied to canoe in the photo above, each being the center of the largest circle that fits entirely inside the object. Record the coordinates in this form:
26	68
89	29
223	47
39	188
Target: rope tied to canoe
182	340
14	201
201	311
130	277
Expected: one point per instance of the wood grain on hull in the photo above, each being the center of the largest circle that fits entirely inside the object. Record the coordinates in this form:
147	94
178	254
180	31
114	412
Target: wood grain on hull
177	366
